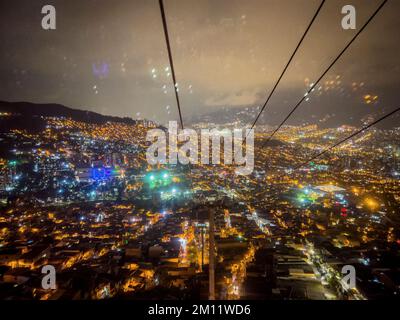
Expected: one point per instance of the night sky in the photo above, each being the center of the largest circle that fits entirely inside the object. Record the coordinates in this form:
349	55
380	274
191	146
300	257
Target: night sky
110	56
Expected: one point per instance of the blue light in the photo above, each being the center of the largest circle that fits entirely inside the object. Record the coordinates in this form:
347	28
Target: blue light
365	261
339	196
101	173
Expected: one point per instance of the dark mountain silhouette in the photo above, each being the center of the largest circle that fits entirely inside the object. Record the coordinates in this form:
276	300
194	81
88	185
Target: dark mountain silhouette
32	110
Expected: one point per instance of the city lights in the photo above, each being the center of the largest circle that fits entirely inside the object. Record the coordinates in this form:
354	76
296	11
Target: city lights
138	196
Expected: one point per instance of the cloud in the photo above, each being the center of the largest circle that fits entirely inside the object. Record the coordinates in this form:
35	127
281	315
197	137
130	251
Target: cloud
244	98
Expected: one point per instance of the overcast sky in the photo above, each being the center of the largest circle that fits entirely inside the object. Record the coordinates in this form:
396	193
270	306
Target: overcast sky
110	56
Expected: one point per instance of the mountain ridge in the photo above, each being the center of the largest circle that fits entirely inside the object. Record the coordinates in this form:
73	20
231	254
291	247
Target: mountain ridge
29	109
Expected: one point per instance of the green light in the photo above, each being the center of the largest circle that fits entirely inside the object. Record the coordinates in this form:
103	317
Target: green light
158	179
302	198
